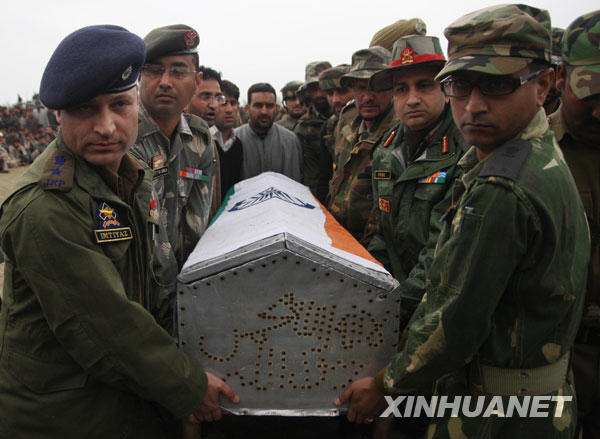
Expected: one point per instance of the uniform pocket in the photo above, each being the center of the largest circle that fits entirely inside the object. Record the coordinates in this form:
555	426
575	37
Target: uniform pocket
42	377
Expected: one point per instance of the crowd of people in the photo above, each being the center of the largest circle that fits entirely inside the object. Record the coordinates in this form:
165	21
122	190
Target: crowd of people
473	179
25	131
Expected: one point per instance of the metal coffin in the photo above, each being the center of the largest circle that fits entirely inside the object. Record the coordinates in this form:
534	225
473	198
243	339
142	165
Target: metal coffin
287	322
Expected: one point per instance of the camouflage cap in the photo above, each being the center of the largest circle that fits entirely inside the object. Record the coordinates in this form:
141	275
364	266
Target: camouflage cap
581	50
498	40
176	39
365	63
410	51
330	79
388	35
557	34
289	90
313	70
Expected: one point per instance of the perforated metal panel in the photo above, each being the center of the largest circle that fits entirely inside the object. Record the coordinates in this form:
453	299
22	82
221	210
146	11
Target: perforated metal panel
287	326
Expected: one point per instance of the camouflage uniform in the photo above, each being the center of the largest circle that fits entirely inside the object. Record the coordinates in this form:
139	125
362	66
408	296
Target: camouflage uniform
350	197
309	129
583	156
505	290
183	200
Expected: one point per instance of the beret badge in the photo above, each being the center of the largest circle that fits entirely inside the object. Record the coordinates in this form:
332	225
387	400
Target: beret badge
407	56
127	73
190	38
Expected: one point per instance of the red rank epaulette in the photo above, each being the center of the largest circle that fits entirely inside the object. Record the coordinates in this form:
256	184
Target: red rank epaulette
389	139
445	145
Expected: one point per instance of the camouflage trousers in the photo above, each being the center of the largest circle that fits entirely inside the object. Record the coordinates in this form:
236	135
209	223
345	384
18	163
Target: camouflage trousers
511	426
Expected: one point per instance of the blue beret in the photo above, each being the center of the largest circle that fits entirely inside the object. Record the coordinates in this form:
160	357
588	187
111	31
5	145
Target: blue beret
91	61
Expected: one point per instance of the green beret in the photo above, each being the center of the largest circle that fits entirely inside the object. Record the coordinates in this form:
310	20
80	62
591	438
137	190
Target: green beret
176	39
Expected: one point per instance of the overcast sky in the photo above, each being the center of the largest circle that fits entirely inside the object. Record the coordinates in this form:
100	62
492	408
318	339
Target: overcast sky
248	41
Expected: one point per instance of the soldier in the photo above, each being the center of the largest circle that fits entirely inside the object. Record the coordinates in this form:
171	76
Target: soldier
505	290
338	97
85	351
553	99
350	195
176	146
577	128
311	123
208	96
414	165
294	106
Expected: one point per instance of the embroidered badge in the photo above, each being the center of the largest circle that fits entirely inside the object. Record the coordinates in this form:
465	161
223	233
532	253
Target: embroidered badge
383	175
445	145
407	56
190	38
384	205
438	177
127	73
193	174
153	210
55	179
158	161
110	229
159	166
389	139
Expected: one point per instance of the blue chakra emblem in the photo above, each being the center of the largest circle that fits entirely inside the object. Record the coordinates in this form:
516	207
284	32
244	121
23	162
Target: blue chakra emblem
269	194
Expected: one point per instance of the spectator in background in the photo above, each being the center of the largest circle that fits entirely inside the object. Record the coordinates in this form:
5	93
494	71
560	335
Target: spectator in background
208	96
268	146
229	146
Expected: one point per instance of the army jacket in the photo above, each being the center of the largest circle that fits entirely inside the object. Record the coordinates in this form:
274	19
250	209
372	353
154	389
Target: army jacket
583	159
309	129
410	198
83	346
326	159
505	287
288	122
184	175
350	197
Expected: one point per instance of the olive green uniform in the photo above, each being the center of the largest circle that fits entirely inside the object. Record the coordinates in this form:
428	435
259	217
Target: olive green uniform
411	193
583	159
83	348
350	193
504	292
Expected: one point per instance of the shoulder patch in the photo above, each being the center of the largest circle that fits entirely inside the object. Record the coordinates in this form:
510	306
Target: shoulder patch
58	171
507	160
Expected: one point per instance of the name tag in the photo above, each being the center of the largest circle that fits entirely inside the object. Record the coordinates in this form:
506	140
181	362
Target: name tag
113	235
383	175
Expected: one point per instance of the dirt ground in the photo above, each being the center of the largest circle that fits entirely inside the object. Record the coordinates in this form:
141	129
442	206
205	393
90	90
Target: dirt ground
7	181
